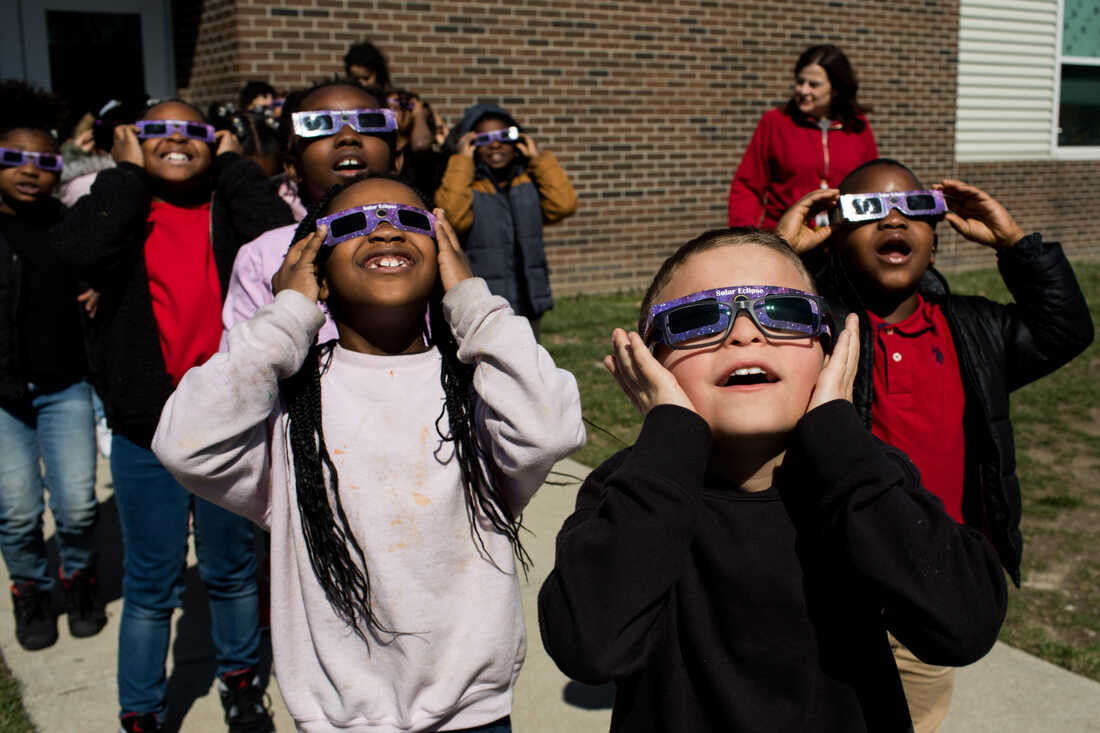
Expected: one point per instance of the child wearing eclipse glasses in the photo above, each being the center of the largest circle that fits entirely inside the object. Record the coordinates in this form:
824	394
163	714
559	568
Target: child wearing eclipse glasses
739	567
498	190
156	236
333	132
47	438
395	596
937	369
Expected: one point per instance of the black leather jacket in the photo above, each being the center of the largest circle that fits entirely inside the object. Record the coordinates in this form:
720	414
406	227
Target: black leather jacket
1001	348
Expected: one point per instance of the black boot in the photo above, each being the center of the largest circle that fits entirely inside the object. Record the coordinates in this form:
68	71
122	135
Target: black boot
139	723
35	617
85	608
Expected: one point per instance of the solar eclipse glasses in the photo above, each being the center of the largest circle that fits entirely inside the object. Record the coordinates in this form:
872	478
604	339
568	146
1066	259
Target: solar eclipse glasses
507	135
165	128
361	220
860	207
324	122
43	161
707	317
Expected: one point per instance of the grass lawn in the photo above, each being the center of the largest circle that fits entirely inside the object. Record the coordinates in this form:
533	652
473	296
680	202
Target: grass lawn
1056	614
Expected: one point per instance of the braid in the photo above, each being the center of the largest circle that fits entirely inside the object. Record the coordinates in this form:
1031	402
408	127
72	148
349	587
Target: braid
483	497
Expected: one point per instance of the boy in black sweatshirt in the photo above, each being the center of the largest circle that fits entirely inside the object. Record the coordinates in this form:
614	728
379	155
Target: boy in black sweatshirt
738	569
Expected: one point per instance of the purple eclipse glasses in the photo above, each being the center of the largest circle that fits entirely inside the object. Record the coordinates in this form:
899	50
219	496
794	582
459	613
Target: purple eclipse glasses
325	122
859	207
363	220
164	128
44	161
706	318
507	135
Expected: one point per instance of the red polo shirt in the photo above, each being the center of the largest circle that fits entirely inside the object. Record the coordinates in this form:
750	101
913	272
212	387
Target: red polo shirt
918	401
183	283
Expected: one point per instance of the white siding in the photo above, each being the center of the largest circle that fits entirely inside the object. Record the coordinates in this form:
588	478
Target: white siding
1008	72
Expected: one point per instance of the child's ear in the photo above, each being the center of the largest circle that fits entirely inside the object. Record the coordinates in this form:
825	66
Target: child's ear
322	281
935	246
290	165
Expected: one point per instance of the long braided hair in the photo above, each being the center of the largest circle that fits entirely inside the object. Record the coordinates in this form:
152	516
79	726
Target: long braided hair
335	554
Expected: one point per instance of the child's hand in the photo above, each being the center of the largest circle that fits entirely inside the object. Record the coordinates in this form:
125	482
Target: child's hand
90	300
978	216
640	376
299	269
453	265
441	128
795	224
838	376
527	146
85	141
127	146
466	144
419	109
227	142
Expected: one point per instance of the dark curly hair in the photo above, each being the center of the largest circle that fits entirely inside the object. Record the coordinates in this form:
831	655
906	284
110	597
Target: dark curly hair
24	106
335	554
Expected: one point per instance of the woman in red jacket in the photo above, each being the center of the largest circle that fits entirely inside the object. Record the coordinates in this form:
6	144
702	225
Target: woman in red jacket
817	139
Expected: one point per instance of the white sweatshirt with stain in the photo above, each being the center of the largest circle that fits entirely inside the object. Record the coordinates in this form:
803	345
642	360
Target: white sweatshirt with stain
223	434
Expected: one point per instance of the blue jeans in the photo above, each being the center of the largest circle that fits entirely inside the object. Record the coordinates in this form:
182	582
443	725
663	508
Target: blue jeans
56	428
154	510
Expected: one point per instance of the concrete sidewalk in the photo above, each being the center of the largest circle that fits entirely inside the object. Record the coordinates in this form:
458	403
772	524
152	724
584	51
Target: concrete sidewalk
71	686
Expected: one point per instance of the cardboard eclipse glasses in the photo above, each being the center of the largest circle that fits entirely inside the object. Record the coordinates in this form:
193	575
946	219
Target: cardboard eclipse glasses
507	135
325	122
11	157
361	220
166	128
860	207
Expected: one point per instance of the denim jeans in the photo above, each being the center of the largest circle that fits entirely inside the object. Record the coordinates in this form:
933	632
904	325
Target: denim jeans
154	509
57	429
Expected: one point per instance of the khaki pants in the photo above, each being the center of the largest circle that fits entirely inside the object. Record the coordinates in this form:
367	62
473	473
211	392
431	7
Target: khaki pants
927	688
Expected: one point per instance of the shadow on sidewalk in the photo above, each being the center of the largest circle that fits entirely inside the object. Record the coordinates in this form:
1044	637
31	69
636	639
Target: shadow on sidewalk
588	697
194	663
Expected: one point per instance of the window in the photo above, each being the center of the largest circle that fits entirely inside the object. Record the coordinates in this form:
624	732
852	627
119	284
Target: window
1079	75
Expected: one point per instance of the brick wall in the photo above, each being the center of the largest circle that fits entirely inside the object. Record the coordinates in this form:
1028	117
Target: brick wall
648	104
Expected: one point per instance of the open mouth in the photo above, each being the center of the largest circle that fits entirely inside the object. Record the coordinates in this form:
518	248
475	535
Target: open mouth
387	262
349	165
28	189
748	377
895	251
176	157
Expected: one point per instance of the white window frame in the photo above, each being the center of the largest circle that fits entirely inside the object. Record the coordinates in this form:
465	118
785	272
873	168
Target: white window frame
1067	152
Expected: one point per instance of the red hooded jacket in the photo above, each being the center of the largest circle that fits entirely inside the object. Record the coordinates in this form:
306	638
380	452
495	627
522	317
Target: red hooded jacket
786	159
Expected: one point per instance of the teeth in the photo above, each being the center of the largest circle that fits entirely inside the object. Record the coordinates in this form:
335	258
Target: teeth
389	262
350	163
750	370
177	157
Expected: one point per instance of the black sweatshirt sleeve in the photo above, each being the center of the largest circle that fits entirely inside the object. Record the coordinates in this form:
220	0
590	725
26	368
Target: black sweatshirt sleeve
98	231
621	552
940	583
254	206
1049	323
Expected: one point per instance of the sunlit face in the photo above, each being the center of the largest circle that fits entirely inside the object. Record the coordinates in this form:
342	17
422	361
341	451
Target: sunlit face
813	93
324	162
733	406
176	159
26	184
891	255
386	268
497	154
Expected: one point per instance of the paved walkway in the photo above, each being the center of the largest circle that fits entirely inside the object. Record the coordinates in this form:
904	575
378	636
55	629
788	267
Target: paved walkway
71	686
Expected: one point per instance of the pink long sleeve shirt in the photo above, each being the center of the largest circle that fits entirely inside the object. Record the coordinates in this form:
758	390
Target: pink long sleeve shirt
223	435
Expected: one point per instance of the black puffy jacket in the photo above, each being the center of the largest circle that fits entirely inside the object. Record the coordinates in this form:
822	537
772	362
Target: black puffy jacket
1001	348
103	237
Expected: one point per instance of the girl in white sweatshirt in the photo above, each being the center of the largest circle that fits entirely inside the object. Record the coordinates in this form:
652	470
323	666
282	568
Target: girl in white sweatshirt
390	467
